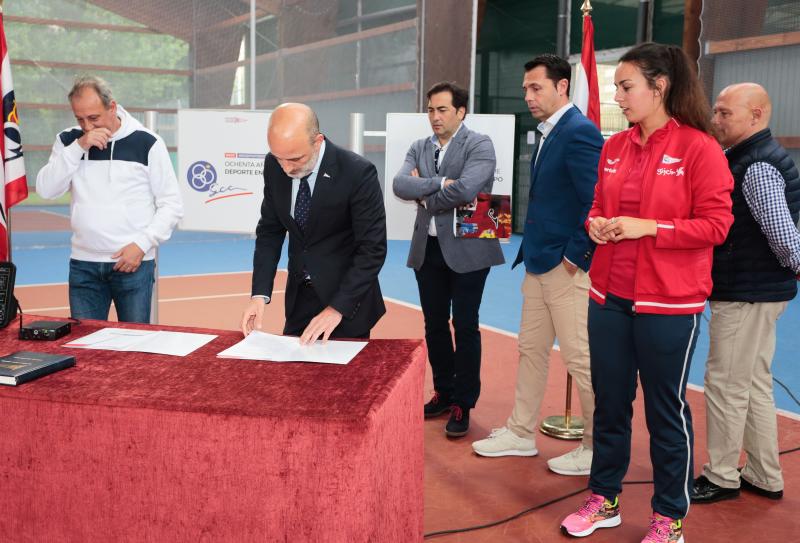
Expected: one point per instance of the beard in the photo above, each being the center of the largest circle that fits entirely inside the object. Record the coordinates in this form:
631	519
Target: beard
306	169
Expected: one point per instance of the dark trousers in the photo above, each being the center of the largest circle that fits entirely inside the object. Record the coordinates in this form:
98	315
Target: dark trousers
456	371
307	305
659	348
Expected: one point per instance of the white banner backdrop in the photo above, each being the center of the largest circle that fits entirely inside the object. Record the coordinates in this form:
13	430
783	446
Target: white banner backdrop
402	129
220	168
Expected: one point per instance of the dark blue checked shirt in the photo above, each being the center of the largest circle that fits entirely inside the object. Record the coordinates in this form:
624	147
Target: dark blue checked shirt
765	193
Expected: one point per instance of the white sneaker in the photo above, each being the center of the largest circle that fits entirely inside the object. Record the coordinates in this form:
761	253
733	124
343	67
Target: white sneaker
576	462
504	442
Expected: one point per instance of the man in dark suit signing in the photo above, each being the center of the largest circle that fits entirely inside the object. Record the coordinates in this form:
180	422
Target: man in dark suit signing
330	202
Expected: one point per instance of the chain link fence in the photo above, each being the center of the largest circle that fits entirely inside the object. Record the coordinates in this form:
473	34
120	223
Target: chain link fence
339	56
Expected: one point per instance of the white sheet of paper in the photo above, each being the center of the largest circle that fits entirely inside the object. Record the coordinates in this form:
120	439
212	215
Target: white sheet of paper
143	341
262	346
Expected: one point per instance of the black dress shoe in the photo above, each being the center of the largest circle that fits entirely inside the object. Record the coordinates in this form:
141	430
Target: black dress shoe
439	405
771	494
458	425
707	492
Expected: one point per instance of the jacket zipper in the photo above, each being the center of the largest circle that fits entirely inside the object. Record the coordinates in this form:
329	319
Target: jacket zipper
645	179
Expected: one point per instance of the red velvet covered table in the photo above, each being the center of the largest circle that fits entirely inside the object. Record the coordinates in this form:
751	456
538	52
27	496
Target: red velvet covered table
139	447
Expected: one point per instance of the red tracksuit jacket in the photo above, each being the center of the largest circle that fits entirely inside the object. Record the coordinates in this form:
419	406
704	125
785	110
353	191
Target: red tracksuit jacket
686	188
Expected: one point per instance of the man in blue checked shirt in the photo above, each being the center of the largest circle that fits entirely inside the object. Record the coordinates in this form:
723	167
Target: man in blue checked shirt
755	276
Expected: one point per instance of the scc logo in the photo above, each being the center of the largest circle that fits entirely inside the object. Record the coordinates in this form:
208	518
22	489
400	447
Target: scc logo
201	176
670	171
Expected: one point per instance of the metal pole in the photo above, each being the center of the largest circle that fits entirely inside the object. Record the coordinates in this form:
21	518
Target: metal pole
566	426
8	233
7	210
359	13
421	55
563	28
644	25
473	54
253	54
150	122
357	133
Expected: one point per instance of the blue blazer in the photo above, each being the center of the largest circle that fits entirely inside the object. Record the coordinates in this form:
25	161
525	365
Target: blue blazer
562	189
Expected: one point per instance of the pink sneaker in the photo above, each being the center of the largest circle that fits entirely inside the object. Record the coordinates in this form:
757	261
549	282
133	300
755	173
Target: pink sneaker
596	512
664	530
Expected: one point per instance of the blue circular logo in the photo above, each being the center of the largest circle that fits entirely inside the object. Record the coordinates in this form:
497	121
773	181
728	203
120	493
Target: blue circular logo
201	175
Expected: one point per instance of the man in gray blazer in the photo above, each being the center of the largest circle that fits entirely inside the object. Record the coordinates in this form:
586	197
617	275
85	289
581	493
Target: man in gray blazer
441	173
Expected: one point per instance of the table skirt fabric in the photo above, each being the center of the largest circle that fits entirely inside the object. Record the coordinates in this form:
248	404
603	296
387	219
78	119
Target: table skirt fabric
138	447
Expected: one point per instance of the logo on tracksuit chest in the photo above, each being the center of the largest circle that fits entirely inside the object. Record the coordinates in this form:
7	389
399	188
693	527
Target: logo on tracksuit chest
668	160
610	166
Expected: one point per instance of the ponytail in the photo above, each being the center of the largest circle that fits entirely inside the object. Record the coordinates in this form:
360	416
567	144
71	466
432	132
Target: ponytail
683	97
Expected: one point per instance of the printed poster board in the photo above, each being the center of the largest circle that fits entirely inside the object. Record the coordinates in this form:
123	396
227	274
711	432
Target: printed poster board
402	129
220	168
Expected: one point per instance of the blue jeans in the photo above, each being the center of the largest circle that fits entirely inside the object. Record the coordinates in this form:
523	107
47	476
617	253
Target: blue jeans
92	286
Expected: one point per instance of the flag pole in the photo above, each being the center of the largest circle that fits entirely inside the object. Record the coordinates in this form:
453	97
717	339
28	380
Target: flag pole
7	211
567	426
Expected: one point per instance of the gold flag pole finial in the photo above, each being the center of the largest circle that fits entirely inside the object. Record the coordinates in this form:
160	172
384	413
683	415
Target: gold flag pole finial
586	8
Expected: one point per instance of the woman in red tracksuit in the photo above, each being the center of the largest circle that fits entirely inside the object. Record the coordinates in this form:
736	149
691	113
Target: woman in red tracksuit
662	202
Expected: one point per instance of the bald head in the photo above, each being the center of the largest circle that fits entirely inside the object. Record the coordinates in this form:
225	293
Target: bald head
291	119
294	139
740	111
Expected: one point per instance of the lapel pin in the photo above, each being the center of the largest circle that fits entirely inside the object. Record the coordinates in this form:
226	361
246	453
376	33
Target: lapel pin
326	175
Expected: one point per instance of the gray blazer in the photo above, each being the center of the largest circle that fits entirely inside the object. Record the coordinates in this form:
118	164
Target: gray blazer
470	161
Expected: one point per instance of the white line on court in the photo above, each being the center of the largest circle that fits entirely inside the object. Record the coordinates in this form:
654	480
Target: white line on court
63	216
164	300
697	388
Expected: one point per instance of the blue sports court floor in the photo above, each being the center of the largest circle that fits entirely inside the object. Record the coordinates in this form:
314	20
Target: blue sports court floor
42	258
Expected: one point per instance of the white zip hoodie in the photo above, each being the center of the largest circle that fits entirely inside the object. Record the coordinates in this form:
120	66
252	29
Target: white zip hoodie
122	194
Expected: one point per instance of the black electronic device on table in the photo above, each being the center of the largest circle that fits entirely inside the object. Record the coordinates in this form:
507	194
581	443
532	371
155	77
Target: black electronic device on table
47	330
8	303
9	307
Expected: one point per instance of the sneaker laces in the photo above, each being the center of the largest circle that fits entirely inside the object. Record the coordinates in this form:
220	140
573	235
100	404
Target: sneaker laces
498	432
659	527
456	412
592	505
574	453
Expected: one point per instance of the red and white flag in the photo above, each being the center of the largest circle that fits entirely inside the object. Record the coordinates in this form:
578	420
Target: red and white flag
587	92
15	185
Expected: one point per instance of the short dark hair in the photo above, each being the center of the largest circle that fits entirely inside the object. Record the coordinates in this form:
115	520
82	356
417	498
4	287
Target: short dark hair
460	94
557	68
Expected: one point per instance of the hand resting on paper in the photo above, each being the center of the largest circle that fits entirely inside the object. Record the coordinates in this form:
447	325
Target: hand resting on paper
322	325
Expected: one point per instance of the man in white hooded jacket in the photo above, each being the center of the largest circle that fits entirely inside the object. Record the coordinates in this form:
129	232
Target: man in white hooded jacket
125	202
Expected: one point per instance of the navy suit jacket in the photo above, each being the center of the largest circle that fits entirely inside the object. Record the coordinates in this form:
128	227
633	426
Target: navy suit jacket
562	189
343	247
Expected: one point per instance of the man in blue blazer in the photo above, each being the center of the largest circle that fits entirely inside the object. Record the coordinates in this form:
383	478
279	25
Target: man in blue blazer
557	252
